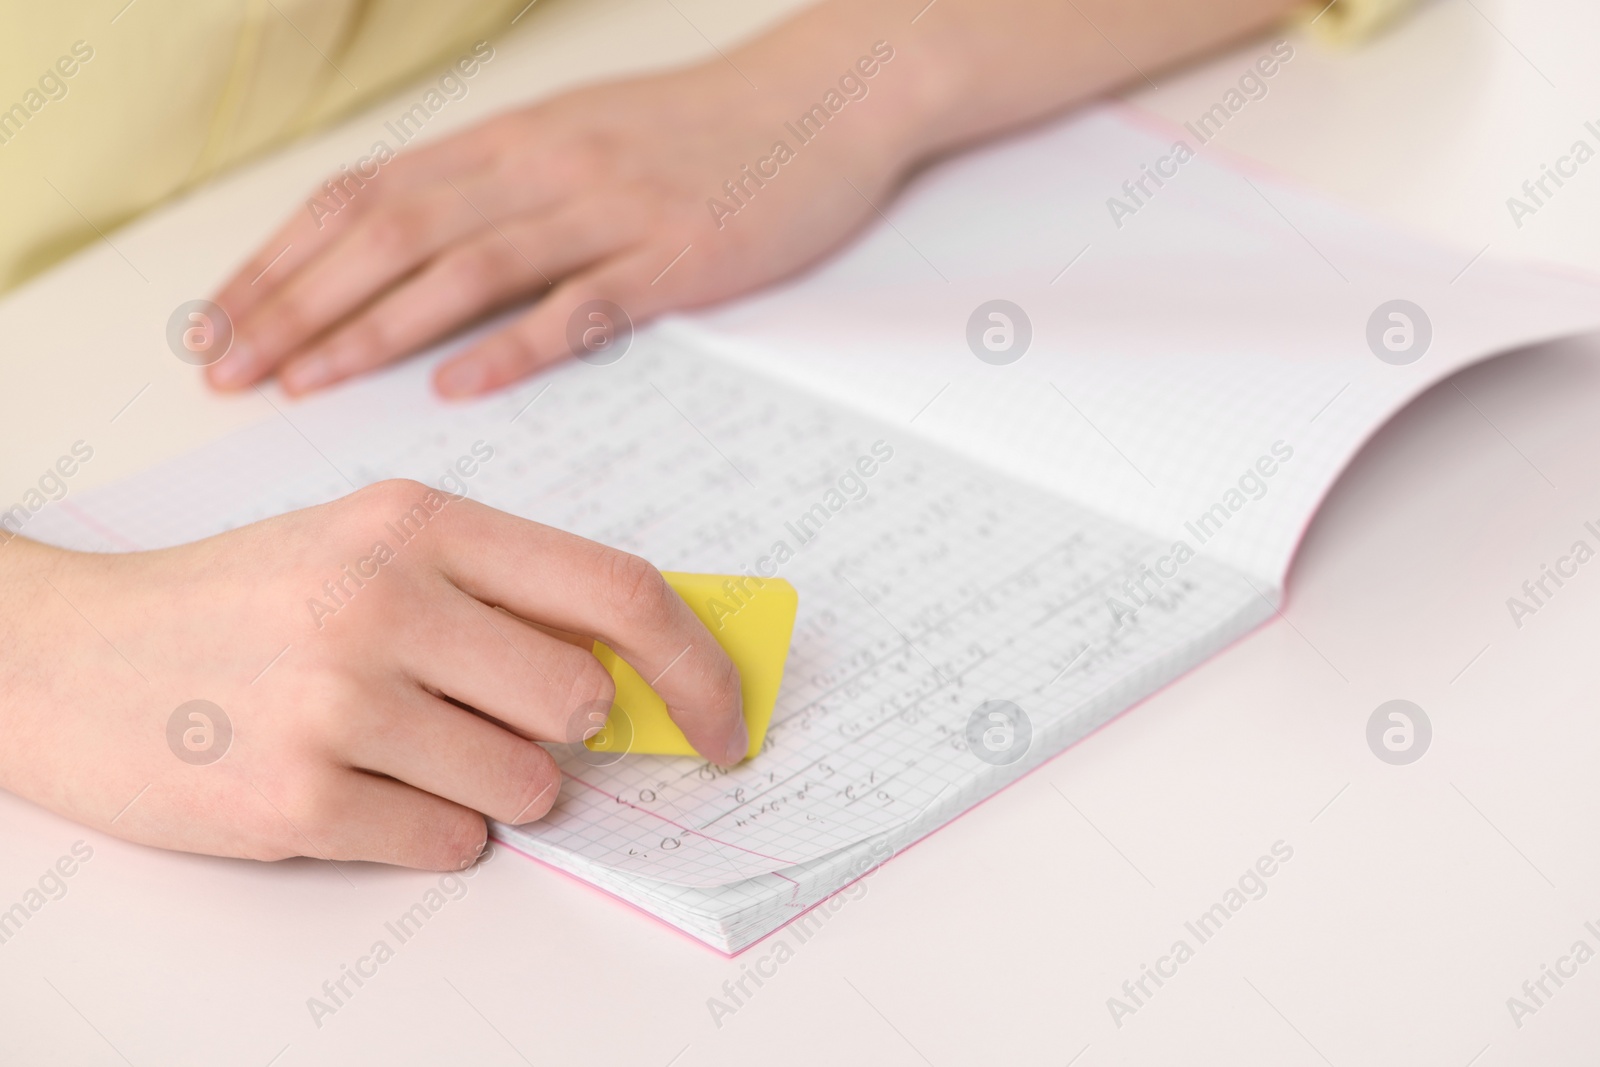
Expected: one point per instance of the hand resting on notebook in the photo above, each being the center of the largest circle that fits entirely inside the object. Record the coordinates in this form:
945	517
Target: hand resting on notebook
673	190
375	671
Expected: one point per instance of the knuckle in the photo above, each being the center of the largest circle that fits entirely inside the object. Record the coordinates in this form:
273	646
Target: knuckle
465	833
634	589
290	318
533	789
588	160
655	201
363	337
391	233
513	350
588	684
470	272
388	496
724	677
456	839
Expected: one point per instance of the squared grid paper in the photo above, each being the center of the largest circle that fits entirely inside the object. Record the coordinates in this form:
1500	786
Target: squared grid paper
975	562
1169	350
933	586
733	916
942	587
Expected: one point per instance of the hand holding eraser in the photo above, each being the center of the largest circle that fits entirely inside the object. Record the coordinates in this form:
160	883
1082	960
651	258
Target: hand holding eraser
751	618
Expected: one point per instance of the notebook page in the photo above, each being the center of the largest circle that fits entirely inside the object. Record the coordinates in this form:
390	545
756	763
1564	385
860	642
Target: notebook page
949	587
1169	355
933	587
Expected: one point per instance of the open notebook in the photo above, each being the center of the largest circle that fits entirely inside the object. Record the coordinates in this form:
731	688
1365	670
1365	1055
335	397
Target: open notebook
1064	533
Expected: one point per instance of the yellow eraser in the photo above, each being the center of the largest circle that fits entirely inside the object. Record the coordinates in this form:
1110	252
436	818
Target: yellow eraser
751	618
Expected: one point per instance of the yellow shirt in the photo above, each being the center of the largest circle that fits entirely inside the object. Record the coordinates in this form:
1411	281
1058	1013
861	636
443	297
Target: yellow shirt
108	108
1346	21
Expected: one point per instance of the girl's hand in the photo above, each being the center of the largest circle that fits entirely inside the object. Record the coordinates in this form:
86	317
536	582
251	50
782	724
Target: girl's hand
605	193
377	671
600	194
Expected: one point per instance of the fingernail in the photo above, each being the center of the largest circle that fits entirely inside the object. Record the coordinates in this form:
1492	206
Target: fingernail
308	374
461	378
235	368
738	744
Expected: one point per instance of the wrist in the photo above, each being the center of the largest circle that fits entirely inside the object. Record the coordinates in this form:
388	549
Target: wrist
921	90
861	70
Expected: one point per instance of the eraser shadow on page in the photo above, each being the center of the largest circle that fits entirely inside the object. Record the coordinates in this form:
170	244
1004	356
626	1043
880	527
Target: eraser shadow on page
751	618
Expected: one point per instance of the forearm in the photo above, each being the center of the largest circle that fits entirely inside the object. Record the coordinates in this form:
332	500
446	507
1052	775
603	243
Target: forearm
966	69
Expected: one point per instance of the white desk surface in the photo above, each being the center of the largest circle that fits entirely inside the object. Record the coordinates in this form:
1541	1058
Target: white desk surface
1418	898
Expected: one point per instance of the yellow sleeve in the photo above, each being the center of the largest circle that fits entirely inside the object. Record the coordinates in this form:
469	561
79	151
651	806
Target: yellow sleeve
105	112
1350	21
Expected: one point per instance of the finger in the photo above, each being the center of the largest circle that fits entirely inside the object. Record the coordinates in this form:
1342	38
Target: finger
329	212
335	205
533	683
488	271
574	584
573	639
441	749
539	338
385	244
279	256
365	817
457	287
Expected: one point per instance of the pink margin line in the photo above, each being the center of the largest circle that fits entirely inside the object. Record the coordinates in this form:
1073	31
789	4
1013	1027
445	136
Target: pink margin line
97	526
960	815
